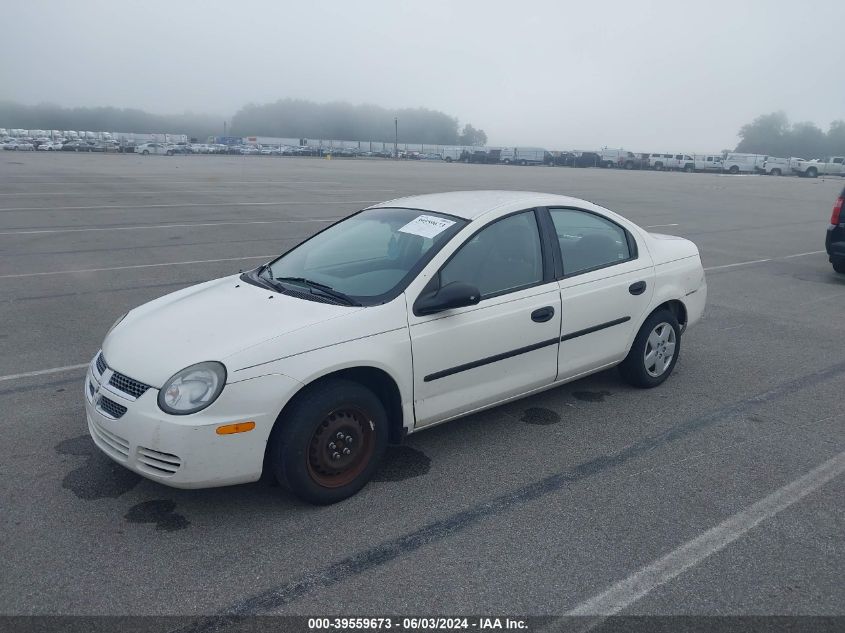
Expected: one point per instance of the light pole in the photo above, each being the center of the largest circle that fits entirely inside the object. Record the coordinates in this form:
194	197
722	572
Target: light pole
396	137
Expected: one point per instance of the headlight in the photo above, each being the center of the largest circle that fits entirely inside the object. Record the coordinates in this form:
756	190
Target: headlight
192	389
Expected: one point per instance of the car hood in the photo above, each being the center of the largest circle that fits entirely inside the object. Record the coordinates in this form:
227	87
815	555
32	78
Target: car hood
209	321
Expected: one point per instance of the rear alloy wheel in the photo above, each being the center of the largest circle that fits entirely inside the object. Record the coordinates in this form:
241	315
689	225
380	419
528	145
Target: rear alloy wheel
688	169
734	169
329	442
145	152
655	351
812	173
776	172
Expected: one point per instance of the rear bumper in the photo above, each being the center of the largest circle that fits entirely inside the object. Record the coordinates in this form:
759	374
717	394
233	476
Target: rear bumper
834	241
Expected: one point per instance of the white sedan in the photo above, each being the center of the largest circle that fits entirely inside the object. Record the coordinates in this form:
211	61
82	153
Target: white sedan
160	149
18	146
407	314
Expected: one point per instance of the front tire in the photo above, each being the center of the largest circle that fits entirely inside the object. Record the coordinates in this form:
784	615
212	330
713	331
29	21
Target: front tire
655	351
330	441
812	173
839	266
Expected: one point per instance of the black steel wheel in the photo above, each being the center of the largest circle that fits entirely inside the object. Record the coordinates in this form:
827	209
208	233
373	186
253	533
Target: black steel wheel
329	441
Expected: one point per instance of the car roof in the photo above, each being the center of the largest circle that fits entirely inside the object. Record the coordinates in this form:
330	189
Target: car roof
473	204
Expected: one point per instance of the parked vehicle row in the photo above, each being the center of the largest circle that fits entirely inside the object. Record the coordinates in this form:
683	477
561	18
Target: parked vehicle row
729	162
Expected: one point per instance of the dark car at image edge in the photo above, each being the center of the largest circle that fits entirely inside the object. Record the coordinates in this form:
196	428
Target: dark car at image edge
834	241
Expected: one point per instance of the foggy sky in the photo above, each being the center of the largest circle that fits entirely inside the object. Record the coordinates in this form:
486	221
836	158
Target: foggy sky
646	76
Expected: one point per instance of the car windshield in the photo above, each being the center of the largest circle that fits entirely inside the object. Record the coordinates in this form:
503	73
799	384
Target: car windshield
369	255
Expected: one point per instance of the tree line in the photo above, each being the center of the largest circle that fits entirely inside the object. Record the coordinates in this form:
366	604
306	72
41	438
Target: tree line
772	134
48	116
339	120
291	118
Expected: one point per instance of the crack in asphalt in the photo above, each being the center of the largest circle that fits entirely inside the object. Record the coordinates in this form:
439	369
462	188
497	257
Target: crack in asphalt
383	553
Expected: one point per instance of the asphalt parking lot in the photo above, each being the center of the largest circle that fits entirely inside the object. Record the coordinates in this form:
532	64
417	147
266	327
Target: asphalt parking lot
533	508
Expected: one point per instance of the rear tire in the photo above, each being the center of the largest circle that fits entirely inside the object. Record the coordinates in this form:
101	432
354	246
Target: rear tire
329	442
812	173
839	266
776	172
734	169
658	167
655	351
689	169
145	153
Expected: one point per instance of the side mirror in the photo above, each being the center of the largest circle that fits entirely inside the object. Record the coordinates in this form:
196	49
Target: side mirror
454	295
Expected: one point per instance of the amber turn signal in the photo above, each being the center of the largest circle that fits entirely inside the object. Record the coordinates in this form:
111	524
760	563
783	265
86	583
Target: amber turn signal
239	427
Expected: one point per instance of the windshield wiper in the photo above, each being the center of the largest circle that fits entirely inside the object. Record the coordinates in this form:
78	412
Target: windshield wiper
267	280
322	288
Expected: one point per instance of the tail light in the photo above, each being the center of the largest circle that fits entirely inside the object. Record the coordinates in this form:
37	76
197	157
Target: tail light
836	216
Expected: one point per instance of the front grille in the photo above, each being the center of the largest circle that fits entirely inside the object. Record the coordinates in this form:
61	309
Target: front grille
109	442
134	388
111	408
158	463
101	364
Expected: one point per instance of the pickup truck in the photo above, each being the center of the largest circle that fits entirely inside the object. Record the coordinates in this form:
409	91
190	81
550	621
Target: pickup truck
699	162
831	166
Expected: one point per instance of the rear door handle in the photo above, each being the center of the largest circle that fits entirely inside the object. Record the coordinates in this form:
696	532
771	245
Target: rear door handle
637	288
541	315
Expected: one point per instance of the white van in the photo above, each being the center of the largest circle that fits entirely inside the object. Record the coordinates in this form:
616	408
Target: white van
736	163
522	155
662	161
615	157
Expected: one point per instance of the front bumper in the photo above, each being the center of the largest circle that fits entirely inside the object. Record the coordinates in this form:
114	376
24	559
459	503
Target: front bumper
186	451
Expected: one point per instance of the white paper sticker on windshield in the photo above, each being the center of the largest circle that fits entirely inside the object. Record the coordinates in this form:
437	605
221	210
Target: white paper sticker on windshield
426	226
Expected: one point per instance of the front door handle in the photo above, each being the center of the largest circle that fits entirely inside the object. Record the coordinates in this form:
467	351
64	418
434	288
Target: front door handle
637	288
541	315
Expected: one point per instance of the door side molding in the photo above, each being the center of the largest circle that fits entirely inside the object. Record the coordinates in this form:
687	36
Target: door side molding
490	359
594	328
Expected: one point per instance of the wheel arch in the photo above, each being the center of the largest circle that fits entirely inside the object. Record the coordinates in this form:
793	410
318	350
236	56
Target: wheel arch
676	307
376	379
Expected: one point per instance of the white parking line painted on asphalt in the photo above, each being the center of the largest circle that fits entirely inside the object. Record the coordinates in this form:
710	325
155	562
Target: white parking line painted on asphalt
42	372
187	204
803	254
639	584
754	261
655	226
99	270
759	261
173	226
